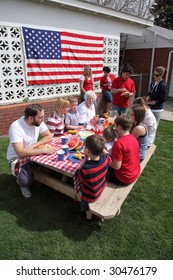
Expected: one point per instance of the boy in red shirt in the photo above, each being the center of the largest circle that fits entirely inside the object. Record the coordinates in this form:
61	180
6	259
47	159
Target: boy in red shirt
125	166
123	87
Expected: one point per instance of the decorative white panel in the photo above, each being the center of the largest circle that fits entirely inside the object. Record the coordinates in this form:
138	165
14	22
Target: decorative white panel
13	87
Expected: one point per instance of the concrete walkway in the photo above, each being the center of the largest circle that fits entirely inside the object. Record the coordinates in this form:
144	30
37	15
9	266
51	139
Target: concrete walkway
168	111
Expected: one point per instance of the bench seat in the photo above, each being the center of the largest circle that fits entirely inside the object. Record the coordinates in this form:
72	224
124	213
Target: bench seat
109	203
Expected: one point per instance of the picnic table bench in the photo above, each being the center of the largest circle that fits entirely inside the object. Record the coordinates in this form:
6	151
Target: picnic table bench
109	203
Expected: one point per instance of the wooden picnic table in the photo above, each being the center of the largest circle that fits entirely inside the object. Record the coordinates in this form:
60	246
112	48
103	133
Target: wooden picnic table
44	164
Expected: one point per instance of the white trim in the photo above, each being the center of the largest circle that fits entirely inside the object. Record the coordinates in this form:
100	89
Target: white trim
97	9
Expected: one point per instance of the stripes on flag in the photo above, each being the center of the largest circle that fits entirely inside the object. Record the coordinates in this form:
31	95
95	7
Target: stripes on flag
60	57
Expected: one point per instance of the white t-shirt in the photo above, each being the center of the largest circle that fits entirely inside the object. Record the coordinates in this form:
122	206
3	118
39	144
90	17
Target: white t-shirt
109	146
20	132
86	114
150	122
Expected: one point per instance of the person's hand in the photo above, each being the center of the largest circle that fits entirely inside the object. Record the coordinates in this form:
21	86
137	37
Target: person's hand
123	90
125	93
49	150
151	102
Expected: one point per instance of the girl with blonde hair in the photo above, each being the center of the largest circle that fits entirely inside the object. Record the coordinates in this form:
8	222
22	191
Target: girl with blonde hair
55	122
86	82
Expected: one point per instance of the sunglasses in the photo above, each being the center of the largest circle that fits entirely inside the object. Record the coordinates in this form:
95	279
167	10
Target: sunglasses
156	75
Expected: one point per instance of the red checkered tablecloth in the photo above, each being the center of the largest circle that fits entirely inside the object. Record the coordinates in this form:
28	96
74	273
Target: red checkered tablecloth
51	160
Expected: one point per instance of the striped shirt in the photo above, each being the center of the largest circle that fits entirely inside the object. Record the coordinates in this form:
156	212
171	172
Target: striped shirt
55	124
93	175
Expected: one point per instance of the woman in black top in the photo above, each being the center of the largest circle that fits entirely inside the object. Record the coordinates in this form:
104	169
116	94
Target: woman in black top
157	93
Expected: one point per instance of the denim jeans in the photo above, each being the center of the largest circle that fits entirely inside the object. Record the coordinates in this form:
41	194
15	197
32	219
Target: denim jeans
120	110
25	176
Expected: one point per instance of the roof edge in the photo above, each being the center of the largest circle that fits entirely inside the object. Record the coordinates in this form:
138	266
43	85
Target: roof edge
97	10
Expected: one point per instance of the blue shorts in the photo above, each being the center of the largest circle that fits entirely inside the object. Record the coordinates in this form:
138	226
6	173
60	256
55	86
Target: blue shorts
107	96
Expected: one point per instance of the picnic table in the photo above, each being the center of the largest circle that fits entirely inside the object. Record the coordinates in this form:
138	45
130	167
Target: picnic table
109	203
43	164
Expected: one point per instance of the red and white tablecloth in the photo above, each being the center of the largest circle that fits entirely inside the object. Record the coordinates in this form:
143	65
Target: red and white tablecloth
52	160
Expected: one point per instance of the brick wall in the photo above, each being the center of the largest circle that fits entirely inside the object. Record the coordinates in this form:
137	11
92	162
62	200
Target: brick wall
140	60
10	113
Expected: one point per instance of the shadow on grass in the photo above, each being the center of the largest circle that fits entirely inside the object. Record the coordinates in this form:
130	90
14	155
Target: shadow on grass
47	210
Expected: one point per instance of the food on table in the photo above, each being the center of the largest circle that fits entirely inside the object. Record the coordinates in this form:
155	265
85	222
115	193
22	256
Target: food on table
79	145
73	131
73	142
106	124
84	134
42	146
105	115
78	155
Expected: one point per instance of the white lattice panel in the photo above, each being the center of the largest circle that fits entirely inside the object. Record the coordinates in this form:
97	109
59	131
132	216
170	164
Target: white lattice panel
13	87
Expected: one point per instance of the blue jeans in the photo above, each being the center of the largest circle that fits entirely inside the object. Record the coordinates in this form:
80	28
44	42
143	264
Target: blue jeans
25	176
120	110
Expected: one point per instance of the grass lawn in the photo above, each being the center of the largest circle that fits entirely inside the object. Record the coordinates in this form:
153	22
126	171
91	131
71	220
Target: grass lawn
45	227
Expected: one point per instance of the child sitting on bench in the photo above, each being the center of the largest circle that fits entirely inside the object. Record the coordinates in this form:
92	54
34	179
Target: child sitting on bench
92	174
125	166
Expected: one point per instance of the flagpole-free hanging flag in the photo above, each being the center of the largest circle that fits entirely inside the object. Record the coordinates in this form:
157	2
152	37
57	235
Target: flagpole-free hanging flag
60	57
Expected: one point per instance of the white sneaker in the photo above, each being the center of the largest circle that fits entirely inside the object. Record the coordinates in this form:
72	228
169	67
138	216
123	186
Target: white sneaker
26	192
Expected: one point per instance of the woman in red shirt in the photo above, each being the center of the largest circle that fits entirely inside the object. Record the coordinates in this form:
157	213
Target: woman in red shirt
106	84
86	82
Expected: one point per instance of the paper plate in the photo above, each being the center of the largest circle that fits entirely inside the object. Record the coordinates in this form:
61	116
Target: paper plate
84	134
72	159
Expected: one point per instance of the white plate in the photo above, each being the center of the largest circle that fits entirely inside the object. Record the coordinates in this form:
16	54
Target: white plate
84	133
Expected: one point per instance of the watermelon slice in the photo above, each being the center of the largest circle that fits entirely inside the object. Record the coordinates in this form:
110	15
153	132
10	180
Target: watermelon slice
73	143
79	145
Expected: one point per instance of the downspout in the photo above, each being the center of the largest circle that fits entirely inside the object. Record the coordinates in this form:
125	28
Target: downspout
152	59
168	65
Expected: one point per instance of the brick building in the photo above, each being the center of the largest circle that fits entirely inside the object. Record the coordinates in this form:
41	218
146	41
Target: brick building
144	53
70	16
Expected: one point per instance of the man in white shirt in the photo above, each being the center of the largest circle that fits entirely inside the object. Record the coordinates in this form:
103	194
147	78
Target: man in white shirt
24	143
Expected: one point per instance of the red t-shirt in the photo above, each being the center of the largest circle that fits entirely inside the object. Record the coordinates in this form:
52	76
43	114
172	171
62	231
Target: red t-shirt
88	84
107	79
126	149
118	100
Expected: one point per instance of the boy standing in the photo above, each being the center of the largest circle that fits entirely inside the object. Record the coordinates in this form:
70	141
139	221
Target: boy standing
92	173
125	166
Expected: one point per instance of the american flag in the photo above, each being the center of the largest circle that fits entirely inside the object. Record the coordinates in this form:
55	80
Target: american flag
60	57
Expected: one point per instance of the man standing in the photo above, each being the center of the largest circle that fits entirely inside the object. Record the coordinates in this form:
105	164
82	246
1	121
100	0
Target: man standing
123	87
24	143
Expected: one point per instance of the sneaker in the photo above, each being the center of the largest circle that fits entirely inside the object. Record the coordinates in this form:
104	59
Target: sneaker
85	221
26	192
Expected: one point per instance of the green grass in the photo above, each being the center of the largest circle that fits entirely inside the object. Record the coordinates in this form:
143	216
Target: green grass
46	226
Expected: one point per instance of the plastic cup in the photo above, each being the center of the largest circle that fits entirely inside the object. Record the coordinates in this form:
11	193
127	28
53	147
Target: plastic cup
61	154
64	140
65	149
